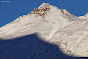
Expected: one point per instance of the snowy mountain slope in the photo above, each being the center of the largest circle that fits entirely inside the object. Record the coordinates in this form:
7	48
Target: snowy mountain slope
36	17
54	25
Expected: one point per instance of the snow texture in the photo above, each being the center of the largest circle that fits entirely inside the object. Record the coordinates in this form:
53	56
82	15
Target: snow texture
53	25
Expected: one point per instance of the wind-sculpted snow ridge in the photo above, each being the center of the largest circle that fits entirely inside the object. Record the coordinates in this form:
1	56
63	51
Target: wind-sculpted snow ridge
53	25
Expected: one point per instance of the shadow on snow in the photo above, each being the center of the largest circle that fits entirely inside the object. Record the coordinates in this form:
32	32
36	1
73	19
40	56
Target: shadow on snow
29	47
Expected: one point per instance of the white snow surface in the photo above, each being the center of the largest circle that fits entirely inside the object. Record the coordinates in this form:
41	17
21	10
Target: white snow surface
53	25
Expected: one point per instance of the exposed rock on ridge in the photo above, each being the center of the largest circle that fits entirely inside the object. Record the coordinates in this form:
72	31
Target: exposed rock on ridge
54	25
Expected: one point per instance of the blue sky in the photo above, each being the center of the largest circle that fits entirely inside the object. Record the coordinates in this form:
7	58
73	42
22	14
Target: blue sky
9	11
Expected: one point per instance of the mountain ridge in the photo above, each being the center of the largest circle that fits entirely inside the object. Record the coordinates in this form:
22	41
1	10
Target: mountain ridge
53	25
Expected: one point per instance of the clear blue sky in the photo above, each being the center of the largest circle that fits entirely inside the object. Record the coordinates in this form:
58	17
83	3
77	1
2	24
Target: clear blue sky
9	11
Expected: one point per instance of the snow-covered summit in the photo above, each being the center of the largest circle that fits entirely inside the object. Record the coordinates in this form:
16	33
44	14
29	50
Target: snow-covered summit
54	25
45	13
44	5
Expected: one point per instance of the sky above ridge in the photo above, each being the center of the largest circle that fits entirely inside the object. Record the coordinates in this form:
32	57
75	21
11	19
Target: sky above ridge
11	9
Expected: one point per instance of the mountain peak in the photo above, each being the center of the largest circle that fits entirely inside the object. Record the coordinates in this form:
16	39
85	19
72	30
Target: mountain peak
53	25
44	5
42	10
